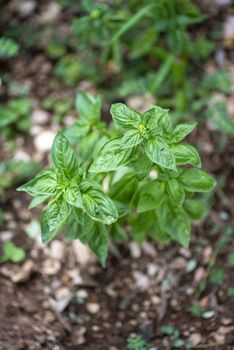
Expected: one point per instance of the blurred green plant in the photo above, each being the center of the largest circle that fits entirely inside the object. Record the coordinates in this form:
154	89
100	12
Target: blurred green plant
12	253
217	275
196	310
175	337
15	116
231	260
13	171
68	69
8	48
230	292
136	343
58	107
159	60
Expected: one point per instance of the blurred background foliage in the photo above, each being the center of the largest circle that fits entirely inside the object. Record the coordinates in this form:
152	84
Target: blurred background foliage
169	52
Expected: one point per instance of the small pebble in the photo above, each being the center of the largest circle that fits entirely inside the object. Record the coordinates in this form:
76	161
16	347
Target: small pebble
51	267
228	32
50	13
25	272
226	321
6	235
141	280
25	8
43	141
57	250
195	338
93	308
82	293
22	155
179	263
135	250
40	117
152	269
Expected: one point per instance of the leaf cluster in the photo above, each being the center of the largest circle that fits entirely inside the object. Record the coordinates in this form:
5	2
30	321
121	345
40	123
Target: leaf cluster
13	171
8	48
12	253
138	173
15	116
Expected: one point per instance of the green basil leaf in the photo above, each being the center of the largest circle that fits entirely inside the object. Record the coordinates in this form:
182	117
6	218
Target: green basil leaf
123	186
111	157
142	226
131	138
72	195
57	212
7	116
90	145
99	207
81	127
38	200
158	152
118	233
45	183
47	234
175	191
197	180
158	118
92	233
76	131
121	208
63	156
186	154
150	195
175	222
143	167
78	214
196	208
158	233
85	185
88	106
74	224
96	238
181	131
124	116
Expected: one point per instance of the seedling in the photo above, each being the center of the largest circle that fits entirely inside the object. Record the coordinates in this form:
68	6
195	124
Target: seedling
136	343
217	276
68	70
12	253
175	339
230	292
196	310
231	260
8	48
58	107
15	115
137	172
174	334
13	171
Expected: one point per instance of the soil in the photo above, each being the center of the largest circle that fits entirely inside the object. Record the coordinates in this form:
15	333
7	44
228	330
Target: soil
65	305
28	320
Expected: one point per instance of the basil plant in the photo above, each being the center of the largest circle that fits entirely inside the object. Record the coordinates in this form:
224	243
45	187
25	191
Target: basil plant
135	177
